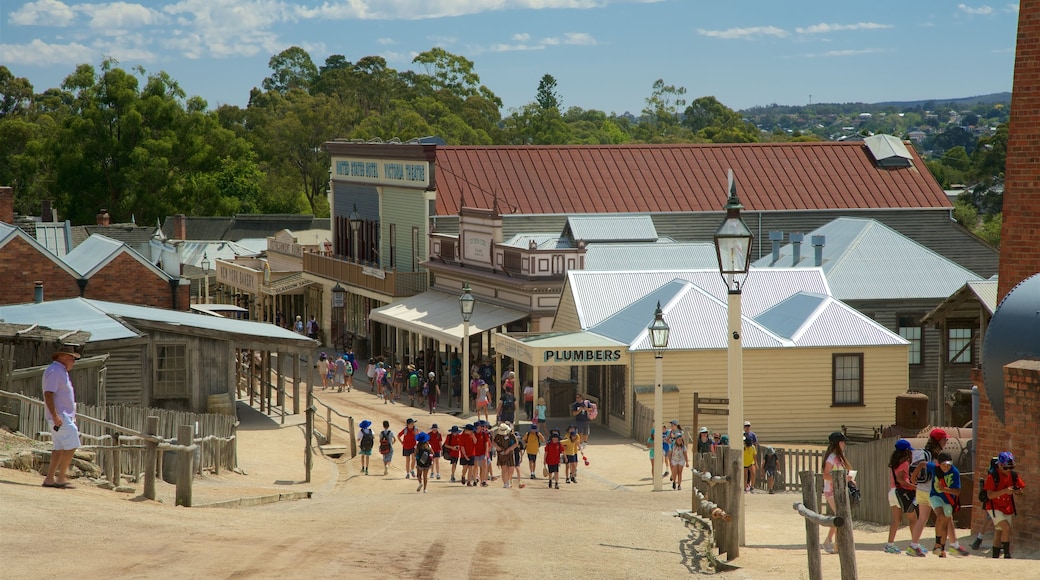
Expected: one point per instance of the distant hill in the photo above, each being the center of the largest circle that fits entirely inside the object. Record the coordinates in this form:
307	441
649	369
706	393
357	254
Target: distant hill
989	99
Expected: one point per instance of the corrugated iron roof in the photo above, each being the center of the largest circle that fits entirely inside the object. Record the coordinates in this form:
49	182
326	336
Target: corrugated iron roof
785	316
73	314
55	236
611	228
542	241
98	250
659	256
677	178
866	260
9	233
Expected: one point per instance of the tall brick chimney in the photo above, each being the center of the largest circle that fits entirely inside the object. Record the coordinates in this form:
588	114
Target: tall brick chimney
180	227
103	219
7	204
1020	233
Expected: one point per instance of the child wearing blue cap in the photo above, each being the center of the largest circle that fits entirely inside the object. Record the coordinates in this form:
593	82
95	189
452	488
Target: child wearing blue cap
367	441
902	493
423	460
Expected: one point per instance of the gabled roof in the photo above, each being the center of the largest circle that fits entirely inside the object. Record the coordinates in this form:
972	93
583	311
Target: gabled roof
610	228
97	251
677	178
55	236
866	260
966	301
133	235
244	225
659	256
9	232
694	304
542	241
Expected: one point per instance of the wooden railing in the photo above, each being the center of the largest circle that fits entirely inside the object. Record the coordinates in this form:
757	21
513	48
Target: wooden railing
346	431
387	282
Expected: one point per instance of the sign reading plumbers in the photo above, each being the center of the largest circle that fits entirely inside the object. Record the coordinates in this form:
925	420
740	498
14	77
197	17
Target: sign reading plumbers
382	171
595	355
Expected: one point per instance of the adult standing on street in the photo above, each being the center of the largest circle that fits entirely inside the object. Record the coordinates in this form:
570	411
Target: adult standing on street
60	408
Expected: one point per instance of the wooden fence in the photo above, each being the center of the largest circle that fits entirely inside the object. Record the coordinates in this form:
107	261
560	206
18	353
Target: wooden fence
215	434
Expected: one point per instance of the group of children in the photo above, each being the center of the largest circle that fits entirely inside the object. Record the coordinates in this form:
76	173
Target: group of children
925	480
337	371
473	447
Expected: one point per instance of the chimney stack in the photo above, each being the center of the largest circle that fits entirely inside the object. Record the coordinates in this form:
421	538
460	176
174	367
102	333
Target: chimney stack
7	205
38	292
46	213
776	236
796	247
103	219
180	227
818	242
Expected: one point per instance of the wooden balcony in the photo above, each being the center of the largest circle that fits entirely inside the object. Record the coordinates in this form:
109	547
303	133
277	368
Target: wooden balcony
359	275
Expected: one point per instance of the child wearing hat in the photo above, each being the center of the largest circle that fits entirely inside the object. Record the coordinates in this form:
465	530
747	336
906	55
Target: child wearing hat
407	438
553	452
451	448
467	442
1002	485
423	460
533	441
436	444
367	439
571	443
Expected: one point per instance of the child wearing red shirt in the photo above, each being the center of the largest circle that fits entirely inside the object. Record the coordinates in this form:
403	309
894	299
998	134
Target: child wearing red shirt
1002	485
553	452
435	445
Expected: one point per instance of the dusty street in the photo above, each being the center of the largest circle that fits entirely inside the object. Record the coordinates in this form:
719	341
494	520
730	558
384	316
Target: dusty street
608	525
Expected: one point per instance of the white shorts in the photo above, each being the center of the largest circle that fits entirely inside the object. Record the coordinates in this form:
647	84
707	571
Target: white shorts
999	516
893	501
67	437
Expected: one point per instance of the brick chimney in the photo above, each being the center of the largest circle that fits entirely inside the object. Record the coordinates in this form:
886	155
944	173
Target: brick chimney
46	211
1020	232
180	227
7	205
103	219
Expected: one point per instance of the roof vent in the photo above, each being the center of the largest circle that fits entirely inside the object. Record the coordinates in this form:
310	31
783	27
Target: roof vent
888	151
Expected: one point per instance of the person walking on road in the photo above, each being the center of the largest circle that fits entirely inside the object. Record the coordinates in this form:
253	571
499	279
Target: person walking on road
835	459
553	453
533	441
432	391
386	446
680	459
436	443
451	449
1001	487
580	412
921	477
468	455
59	407
407	438
571	444
324	369
902	492
423	460
505	443
367	442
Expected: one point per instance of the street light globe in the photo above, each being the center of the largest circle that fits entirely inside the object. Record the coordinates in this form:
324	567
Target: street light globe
733	238
659	330
466	302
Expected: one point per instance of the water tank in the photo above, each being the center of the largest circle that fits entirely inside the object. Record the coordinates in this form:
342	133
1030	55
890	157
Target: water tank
912	410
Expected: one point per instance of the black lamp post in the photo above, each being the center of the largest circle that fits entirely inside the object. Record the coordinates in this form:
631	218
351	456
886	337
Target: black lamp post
355	225
205	270
466	303
658	331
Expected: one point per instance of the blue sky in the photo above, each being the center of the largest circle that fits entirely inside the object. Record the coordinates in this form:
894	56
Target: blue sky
604	54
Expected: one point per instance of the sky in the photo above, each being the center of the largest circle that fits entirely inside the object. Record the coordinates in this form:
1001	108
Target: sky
604	54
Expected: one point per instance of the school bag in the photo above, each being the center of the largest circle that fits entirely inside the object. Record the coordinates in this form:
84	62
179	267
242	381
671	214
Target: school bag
366	440
593	411
384	443
423	458
413	381
923	476
984	496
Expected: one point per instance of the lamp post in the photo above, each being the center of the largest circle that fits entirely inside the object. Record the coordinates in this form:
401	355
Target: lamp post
339	301
355	225
658	331
205	270
466	303
733	250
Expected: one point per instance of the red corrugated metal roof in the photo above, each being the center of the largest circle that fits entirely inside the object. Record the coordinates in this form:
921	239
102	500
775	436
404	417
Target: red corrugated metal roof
677	178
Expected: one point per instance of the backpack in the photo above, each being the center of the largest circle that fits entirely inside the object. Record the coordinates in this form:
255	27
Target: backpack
923	476
366	440
423	457
413	380
385	380
593	411
384	444
984	496
508	403
348	369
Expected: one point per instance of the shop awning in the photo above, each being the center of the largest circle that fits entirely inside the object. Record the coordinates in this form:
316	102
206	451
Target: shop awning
436	315
561	349
291	284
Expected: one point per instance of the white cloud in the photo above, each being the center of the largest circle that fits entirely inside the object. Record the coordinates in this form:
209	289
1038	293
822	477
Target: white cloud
522	37
119	16
1013	8
226	28
426	9
981	10
522	41
744	33
579	39
841	53
40	53
43	13
824	28
386	41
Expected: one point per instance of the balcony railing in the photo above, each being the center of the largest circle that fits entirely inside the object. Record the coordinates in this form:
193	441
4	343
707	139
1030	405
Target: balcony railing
386	282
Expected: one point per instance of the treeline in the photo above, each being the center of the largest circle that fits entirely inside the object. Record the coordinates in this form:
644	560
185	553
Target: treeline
134	143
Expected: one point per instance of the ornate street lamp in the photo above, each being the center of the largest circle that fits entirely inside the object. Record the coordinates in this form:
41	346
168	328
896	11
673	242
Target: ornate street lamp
658	331
205	270
355	225
466	303
733	249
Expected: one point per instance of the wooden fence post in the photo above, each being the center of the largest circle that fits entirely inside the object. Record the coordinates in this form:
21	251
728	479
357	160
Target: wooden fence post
328	425
185	473
353	436
151	448
116	462
734	467
812	531
843	539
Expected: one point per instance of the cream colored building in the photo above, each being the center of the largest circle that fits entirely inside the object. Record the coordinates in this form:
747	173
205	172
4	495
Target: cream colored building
811	363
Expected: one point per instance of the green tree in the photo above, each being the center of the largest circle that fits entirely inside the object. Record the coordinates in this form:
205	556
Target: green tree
547	97
290	69
661	120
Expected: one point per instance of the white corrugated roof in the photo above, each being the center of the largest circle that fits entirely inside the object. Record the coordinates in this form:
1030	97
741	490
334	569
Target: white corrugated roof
611	228
780	308
654	256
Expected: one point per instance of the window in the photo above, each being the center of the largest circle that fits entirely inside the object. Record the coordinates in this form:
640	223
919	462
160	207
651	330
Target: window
909	329
416	258
959	341
393	243
171	370
847	382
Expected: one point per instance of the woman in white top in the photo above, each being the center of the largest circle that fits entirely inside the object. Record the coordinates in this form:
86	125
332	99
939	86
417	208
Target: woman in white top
323	370
835	460
679	458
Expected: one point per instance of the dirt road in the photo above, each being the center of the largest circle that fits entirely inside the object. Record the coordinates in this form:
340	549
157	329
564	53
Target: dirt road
609	525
